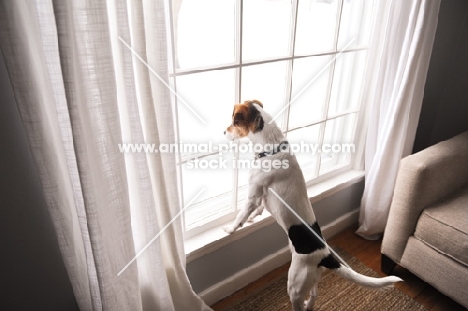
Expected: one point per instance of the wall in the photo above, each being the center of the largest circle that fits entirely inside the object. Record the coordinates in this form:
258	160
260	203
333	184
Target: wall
33	276
444	112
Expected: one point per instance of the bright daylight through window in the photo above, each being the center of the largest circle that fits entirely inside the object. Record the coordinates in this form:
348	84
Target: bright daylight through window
309	53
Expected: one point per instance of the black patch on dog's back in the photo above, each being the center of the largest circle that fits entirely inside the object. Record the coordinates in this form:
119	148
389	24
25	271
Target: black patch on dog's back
303	240
329	262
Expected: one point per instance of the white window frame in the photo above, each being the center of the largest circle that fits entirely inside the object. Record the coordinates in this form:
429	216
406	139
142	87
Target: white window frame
238	65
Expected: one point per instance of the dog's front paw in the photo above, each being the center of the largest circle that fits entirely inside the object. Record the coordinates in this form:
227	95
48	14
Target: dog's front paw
252	217
229	229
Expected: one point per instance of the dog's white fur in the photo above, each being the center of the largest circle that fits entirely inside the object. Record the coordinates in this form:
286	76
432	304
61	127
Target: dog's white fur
289	184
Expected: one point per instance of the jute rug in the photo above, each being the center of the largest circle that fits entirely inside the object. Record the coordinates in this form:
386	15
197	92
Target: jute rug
335	293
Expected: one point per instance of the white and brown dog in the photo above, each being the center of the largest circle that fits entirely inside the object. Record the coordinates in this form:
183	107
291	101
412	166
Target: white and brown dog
310	256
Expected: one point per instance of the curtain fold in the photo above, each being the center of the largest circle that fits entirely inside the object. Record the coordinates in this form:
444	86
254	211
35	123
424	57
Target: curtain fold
80	92
401	49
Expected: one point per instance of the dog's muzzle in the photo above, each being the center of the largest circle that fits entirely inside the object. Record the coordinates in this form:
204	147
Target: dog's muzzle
229	135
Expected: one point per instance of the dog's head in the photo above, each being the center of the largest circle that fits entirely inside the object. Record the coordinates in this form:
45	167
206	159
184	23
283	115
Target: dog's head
246	119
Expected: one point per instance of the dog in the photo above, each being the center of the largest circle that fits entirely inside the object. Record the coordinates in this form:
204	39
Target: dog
310	255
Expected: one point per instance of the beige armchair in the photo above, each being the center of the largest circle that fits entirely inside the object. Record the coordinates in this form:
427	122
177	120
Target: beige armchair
427	229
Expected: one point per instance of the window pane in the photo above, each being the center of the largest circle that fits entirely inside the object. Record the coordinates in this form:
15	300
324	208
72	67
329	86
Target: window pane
266	29
316	25
210	95
307	140
242	194
205	33
243	177
267	83
216	199
355	22
338	144
307	101
347	83
244	162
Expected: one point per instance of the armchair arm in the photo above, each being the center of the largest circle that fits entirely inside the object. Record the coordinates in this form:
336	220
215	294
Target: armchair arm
423	179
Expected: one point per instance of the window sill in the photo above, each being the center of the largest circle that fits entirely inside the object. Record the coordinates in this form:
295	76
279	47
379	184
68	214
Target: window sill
215	238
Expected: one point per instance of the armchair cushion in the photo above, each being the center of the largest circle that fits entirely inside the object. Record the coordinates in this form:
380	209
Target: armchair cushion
444	226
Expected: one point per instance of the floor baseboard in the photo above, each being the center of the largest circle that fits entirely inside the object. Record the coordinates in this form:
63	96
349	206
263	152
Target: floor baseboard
340	224
244	277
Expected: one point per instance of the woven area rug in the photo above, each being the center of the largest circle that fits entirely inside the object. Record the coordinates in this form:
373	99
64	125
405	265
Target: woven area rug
335	293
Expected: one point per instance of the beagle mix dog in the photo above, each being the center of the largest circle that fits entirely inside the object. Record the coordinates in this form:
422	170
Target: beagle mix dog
310	255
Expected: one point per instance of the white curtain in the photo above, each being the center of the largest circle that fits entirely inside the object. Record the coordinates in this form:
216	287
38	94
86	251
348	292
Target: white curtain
401	49
80	93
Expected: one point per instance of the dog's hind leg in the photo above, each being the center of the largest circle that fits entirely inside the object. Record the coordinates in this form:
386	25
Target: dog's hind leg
313	296
300	281
297	296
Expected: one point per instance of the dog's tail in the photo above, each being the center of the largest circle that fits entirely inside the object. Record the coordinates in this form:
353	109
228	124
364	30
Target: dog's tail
349	274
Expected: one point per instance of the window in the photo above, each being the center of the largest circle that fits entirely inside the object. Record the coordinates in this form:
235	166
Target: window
309	53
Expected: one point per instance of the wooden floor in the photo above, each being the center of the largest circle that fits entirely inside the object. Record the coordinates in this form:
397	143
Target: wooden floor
368	252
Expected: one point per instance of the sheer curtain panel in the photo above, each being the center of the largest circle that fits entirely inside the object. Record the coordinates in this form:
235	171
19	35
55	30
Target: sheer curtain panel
80	93
400	52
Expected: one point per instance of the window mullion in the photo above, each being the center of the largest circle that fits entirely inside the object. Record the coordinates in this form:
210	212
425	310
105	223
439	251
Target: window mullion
329	87
183	72
338	115
289	74
238	95
239	31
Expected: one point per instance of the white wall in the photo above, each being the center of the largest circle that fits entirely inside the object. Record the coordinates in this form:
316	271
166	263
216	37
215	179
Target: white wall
32	275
